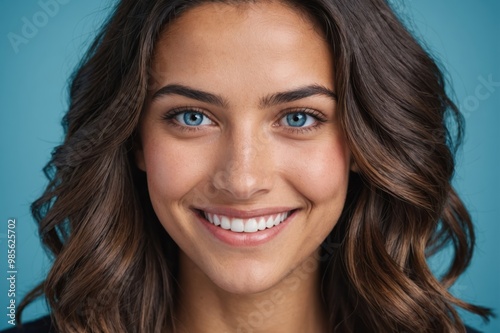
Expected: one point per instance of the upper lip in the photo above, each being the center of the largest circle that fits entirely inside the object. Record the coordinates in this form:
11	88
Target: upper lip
245	214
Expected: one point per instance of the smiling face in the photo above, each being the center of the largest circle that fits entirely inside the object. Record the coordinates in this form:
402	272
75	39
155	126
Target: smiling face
246	163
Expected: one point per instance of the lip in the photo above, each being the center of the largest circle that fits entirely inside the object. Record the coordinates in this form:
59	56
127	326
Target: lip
242	239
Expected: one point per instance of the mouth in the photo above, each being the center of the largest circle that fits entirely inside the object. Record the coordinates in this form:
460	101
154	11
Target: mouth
246	225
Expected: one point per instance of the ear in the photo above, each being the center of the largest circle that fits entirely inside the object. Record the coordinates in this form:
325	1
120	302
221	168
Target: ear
139	155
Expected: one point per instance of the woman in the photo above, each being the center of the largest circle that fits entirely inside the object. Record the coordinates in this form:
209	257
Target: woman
254	166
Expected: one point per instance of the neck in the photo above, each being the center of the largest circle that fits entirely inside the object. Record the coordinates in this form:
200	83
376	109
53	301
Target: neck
292	305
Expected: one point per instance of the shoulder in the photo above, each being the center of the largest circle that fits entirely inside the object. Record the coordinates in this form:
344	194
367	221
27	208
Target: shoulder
41	325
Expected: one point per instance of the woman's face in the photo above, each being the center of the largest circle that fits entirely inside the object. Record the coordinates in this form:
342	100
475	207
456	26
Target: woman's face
246	163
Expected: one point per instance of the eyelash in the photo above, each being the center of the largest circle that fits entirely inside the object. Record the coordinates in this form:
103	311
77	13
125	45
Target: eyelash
320	119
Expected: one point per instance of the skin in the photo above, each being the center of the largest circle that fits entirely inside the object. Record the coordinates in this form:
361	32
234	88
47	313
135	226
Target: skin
245	156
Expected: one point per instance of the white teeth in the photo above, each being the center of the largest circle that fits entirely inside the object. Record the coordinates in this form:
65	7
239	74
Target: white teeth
237	225
224	223
262	224
251	226
216	220
246	225
270	222
277	219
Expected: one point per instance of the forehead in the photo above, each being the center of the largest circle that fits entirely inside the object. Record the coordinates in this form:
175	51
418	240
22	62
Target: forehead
266	42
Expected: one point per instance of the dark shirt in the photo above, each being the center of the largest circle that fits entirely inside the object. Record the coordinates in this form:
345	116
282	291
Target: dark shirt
43	325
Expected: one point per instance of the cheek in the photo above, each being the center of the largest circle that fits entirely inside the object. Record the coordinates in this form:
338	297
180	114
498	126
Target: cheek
172	169
320	173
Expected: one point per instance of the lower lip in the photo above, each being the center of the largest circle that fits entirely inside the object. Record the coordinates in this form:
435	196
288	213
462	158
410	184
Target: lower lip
242	239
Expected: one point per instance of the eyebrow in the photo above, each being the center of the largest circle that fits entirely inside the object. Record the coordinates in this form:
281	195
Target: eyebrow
202	96
268	101
296	94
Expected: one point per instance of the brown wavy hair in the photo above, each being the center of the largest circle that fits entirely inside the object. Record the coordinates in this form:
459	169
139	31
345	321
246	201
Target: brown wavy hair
114	265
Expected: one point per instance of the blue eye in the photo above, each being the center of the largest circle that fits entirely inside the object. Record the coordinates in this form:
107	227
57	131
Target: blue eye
298	119
192	118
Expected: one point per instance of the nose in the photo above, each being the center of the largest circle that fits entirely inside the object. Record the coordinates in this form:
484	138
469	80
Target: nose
245	167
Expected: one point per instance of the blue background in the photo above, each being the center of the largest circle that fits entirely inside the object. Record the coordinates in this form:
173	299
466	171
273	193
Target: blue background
463	35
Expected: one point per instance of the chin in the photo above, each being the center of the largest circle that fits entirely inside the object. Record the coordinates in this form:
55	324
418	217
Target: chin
247	280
